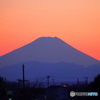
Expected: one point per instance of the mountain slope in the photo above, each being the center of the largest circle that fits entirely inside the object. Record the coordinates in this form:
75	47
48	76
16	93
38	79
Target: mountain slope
47	49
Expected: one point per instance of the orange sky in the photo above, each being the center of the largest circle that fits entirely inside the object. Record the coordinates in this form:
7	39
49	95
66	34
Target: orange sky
77	22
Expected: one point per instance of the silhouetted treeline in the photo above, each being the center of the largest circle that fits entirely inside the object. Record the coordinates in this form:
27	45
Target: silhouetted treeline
3	89
35	91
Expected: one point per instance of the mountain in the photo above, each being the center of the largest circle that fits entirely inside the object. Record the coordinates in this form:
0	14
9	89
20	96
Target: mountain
48	56
47	49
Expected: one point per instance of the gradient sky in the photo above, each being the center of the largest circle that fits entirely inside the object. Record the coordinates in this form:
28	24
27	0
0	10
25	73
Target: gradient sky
77	22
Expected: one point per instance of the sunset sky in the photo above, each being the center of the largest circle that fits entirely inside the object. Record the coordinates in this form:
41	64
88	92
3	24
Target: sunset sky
77	22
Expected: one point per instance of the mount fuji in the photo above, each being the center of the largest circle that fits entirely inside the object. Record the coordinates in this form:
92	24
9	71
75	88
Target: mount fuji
48	56
47	49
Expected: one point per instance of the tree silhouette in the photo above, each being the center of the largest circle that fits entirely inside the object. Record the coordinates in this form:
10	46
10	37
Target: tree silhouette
95	87
2	89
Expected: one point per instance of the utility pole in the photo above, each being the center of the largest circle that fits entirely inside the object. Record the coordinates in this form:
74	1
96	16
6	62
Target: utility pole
53	81
78	85
23	76
77	81
48	80
86	80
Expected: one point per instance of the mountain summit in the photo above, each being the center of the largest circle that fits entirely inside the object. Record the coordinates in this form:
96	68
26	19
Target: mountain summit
47	49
